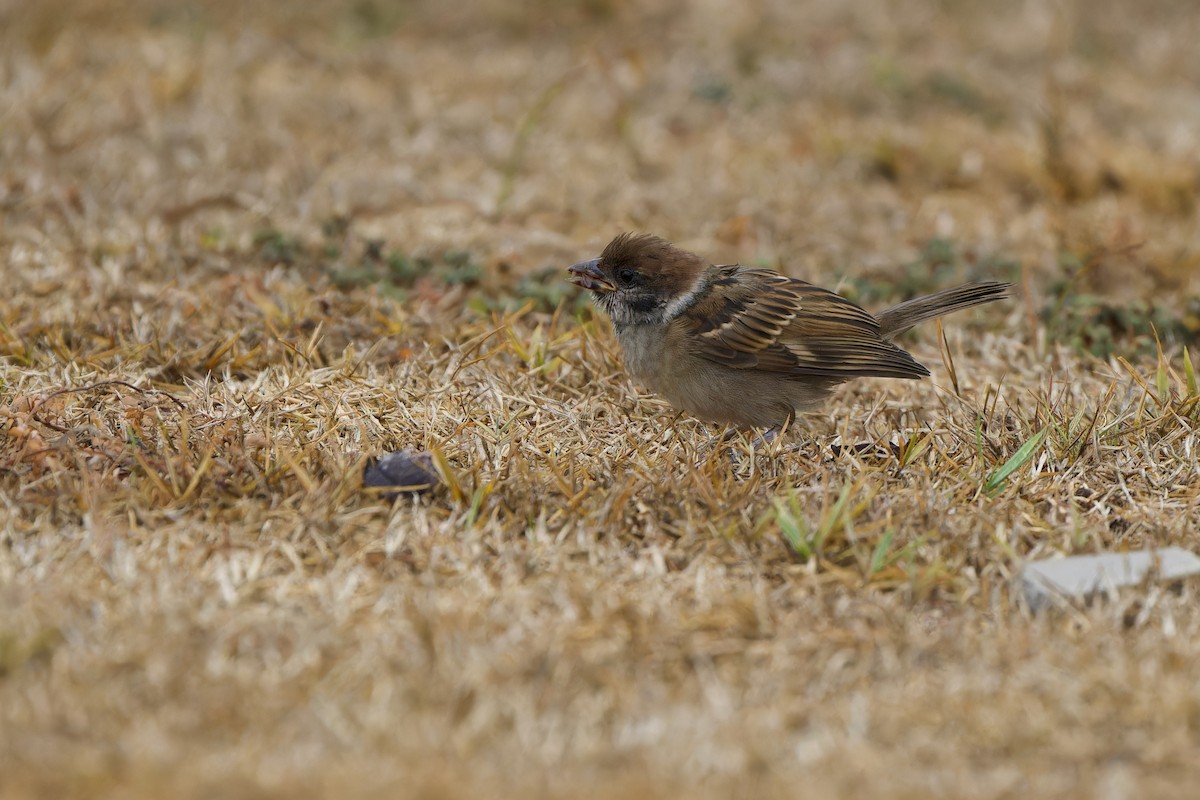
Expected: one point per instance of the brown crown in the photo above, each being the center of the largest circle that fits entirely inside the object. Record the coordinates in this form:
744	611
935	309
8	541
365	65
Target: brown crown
664	266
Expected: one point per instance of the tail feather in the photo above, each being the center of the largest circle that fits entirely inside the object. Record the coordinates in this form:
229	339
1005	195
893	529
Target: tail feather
899	318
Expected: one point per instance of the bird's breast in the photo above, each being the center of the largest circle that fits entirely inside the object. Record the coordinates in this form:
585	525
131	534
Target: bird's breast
643	347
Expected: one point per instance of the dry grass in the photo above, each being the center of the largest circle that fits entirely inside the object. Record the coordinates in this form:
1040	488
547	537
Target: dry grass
247	249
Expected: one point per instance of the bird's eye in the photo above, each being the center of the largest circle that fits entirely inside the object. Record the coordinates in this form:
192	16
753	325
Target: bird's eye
627	276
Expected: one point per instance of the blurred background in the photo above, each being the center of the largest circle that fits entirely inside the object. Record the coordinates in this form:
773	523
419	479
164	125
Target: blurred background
881	144
245	245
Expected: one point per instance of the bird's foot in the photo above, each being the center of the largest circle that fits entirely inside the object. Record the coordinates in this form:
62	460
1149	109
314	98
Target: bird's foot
740	444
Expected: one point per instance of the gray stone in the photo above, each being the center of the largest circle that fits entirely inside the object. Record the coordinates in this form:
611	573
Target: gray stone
1078	577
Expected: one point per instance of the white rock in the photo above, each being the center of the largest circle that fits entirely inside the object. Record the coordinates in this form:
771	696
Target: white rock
1082	576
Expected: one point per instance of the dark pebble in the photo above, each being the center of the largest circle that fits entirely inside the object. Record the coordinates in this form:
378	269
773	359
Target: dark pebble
402	471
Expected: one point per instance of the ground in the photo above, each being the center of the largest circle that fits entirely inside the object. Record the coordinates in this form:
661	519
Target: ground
247	247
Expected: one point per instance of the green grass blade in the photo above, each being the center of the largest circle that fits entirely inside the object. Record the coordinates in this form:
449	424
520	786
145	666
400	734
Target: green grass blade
1161	381
1189	373
790	526
1027	451
879	558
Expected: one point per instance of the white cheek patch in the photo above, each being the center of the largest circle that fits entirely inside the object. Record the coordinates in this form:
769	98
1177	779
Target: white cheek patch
684	300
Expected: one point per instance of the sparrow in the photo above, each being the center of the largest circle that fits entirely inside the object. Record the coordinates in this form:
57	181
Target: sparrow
746	346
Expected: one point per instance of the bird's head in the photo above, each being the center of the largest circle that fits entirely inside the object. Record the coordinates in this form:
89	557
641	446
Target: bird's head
641	279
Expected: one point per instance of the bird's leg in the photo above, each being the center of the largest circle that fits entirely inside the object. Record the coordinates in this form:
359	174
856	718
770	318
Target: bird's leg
757	439
775	432
768	438
715	443
771	440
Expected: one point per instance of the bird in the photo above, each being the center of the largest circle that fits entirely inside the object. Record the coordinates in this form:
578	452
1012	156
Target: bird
746	346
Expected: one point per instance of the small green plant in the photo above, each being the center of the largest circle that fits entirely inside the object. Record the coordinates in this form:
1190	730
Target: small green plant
805	540
998	480
277	247
1130	326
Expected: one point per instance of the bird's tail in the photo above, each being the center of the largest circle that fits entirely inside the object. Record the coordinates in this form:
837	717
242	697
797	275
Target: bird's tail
899	318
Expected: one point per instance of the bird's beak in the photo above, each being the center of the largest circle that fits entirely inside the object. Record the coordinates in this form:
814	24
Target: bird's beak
587	274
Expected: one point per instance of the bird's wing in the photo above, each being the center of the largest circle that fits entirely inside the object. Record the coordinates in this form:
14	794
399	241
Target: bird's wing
759	319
